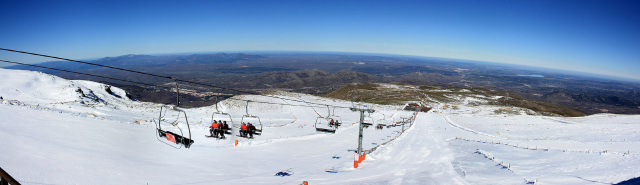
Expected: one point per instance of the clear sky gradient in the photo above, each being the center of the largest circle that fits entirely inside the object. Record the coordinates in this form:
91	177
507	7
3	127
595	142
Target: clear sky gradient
600	37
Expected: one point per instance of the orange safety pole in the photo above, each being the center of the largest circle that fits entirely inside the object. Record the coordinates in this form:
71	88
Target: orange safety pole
236	144
356	160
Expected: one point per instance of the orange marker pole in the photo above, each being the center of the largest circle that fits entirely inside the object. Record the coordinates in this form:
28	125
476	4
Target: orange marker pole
236	144
356	160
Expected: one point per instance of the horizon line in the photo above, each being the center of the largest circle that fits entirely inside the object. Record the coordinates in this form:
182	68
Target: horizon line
591	74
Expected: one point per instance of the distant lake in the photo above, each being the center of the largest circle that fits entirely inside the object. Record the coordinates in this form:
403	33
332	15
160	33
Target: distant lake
532	75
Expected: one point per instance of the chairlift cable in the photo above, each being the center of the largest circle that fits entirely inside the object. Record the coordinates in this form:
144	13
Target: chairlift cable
166	77
122	69
177	88
272	103
48	56
32	65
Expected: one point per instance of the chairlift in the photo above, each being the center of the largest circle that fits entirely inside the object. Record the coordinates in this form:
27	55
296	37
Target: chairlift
385	122
327	124
368	121
222	116
254	120
173	119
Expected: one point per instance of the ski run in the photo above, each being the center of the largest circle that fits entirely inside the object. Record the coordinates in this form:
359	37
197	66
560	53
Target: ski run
57	131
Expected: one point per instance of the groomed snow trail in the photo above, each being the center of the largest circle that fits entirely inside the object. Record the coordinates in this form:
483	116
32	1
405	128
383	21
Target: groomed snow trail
419	156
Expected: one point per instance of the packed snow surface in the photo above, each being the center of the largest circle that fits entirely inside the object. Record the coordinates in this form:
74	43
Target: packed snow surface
56	131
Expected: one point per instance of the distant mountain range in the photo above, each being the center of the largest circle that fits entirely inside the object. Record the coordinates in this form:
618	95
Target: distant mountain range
320	73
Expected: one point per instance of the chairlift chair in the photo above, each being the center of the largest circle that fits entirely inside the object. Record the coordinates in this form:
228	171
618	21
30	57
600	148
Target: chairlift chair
323	124
254	120
170	126
225	117
368	121
384	123
173	118
222	116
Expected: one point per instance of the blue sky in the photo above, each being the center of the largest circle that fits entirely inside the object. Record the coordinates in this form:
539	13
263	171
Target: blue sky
600	37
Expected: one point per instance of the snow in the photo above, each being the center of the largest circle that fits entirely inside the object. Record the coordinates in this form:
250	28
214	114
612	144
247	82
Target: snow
52	133
555	150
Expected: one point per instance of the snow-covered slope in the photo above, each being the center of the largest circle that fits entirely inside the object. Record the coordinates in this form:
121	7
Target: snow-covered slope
37	87
55	131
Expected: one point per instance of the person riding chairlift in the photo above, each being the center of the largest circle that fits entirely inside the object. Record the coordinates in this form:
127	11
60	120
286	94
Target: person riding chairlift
221	129
225	126
214	128
243	130
250	130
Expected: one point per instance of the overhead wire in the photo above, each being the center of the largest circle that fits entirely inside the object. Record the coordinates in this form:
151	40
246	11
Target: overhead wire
167	77
117	68
272	103
129	81
32	65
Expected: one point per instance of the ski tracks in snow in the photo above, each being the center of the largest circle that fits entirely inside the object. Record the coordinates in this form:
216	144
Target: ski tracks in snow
469	130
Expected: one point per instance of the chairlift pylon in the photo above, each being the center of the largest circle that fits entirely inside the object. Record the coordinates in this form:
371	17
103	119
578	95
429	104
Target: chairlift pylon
173	118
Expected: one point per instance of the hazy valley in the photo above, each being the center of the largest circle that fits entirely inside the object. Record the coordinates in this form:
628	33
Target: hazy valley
322	73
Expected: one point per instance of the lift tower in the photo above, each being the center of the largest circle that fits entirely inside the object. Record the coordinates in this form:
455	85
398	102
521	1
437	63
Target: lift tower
361	110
